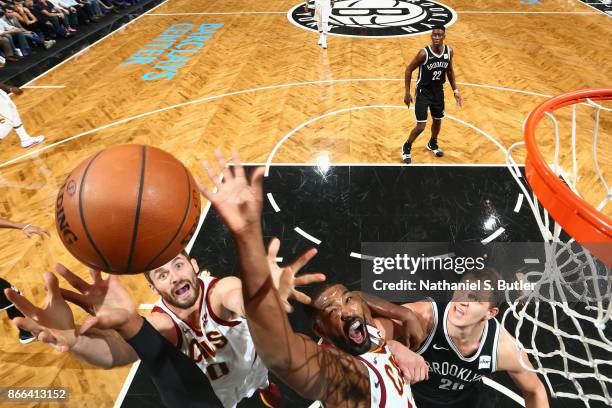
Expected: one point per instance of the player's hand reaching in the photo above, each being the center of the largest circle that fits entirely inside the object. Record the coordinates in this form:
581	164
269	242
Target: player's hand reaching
29	230
284	277
237	200
53	324
413	366
458	99
16	90
106	300
408	100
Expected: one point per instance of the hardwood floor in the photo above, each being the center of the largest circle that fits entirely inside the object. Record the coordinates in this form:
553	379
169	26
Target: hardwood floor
260	83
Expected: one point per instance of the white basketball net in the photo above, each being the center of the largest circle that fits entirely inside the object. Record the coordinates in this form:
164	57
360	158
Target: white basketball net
571	306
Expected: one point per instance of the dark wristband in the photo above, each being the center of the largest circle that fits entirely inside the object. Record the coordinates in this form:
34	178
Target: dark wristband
179	381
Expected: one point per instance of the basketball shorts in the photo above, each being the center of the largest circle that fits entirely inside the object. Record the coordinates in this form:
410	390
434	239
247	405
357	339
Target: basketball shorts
476	398
322	10
431	99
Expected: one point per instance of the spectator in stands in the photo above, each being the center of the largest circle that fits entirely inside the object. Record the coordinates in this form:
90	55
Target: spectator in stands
16	37
7	51
33	38
107	6
93	8
47	12
29	20
69	12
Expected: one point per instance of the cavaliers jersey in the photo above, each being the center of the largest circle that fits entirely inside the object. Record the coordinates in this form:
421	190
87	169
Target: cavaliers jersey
453	376
223	350
432	72
387	385
8	110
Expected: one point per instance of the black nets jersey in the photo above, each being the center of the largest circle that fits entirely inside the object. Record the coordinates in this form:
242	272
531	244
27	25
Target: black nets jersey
432	73
452	376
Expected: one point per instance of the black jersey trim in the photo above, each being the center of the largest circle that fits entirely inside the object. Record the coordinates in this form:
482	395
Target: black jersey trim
495	344
483	338
434	327
436	55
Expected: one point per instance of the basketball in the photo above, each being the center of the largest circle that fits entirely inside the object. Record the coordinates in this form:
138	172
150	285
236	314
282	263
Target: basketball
127	209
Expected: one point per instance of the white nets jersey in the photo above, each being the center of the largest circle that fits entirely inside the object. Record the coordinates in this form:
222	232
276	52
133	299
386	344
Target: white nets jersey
387	385
223	350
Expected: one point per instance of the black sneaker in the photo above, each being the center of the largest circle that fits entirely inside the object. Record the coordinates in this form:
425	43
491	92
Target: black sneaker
406	157
435	149
25	337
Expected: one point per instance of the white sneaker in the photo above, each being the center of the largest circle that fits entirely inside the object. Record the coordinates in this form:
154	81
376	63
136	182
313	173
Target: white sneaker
320	40
324	43
32	141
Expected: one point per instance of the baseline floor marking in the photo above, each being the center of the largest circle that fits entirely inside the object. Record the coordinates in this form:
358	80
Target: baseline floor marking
126	385
504	390
307	235
494	235
212	13
42	87
519	203
594	8
214	97
525	12
220	13
353	108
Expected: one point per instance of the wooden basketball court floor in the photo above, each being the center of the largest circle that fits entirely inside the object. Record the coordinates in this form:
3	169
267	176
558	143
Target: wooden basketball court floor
263	86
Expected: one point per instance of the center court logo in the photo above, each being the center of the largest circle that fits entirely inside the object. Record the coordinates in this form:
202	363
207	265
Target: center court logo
377	18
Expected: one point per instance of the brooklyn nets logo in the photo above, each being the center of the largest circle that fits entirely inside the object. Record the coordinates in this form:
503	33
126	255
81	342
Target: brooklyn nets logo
377	18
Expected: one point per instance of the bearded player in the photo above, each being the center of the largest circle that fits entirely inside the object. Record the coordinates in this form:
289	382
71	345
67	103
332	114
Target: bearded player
356	367
201	316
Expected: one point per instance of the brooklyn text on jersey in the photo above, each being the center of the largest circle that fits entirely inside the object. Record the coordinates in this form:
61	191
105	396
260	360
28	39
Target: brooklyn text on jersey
377	18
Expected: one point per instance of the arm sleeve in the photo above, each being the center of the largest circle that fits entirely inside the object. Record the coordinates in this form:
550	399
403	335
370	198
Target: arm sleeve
178	379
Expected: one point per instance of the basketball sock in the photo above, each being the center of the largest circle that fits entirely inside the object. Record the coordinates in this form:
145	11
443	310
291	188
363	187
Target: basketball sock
21	132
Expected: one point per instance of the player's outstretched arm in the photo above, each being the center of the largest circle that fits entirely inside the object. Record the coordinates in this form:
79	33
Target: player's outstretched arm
450	74
27	229
314	373
9	89
528	382
227	293
414	64
54	325
406	326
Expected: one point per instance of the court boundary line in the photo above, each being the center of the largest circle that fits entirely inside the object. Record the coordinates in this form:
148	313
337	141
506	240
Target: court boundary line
354	108
527	12
230	13
92	44
239	92
126	385
594	8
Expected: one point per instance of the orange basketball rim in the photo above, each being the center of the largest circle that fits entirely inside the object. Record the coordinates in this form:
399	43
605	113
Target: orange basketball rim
578	218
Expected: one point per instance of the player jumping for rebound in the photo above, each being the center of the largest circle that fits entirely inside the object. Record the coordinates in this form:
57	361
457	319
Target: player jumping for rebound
435	62
321	15
355	367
